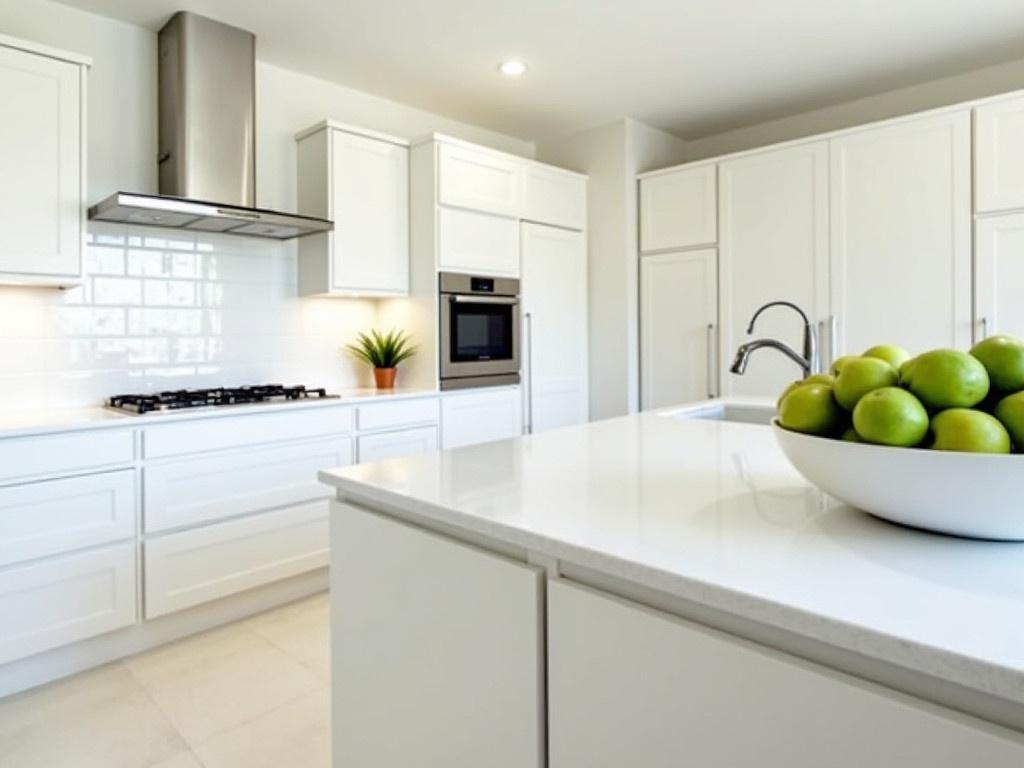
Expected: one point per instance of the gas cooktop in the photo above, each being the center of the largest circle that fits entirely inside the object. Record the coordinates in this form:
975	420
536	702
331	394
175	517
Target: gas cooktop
179	399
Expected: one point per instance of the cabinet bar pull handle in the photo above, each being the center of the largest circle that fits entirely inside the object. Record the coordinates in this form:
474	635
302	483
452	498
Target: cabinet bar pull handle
528	320
710	361
984	328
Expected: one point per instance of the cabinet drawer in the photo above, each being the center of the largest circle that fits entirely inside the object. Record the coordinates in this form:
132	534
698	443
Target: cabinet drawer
70	452
480	417
70	598
233	432
478	242
400	414
47	518
390	445
555	197
481	180
193	567
192	491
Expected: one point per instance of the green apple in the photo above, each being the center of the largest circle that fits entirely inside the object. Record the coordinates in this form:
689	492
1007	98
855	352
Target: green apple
811	409
850	436
947	378
893	355
1003	358
861	375
839	362
818	378
964	429
891	416
1010	412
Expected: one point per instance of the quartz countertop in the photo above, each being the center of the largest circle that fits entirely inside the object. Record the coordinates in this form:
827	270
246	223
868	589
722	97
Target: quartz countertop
713	513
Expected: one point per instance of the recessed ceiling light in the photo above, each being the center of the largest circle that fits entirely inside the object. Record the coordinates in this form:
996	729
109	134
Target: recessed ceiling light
512	68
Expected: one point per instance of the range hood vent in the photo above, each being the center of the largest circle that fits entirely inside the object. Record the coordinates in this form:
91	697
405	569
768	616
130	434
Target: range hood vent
207	119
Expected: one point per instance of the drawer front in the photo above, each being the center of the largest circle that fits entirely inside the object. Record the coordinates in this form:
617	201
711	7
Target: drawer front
391	445
183	493
69	452
400	414
237	431
193	567
468	419
70	598
483	181
55	516
478	242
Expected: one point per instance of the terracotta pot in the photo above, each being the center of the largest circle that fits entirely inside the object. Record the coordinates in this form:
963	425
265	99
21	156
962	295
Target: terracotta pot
385	377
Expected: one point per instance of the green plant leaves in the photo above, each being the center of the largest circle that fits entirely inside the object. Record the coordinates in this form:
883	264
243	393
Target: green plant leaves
382	350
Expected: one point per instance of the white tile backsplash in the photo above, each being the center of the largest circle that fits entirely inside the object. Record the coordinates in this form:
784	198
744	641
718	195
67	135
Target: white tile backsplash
160	310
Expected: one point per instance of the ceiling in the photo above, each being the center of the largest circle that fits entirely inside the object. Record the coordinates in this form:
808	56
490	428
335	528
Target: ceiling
690	67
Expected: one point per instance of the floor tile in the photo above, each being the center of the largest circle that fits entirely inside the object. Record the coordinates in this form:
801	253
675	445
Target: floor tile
302	630
102	718
297	736
220	679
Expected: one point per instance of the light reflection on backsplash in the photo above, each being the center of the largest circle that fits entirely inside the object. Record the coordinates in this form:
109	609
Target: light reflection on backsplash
160	310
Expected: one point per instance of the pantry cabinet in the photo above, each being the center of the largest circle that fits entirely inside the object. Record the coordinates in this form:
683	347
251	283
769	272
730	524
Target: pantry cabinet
999	155
678	208
999	275
360	181
42	154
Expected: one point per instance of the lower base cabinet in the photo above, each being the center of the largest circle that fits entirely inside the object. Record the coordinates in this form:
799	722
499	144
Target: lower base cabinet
436	650
631	686
391	445
481	416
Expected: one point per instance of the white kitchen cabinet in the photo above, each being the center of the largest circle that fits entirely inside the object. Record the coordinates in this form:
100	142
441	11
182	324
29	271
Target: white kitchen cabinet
61	600
199	565
481	415
999	275
901	234
554	196
42	154
678	335
554	307
999	155
678	209
360	181
479	179
773	245
400	413
478	243
391	445
628	685
25	458
460	627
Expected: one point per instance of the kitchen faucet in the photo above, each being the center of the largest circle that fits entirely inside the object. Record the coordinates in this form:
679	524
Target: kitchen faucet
808	361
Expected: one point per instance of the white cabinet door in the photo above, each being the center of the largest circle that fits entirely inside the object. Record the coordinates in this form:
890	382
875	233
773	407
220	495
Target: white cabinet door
678	338
480	179
901	234
436	650
773	245
631	686
370	184
390	445
41	151
999	155
678	209
477	242
999	275
480	416
554	196
554	306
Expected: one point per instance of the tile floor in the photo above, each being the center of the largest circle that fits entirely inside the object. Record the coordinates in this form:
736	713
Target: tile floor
253	694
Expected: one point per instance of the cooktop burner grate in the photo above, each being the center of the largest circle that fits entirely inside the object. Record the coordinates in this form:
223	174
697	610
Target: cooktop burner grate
178	399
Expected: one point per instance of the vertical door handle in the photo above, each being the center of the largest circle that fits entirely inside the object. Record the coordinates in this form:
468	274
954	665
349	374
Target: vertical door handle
709	370
823	359
984	328
833	336
528	322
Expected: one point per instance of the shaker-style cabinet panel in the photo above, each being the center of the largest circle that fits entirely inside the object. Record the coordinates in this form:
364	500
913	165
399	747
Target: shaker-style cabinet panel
678	209
361	183
554	196
478	243
479	179
42	157
678	327
998	276
999	155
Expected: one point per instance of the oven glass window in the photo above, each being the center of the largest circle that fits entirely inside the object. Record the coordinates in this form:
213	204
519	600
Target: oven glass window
481	332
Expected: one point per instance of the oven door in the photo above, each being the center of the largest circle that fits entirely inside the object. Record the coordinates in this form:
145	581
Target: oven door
479	335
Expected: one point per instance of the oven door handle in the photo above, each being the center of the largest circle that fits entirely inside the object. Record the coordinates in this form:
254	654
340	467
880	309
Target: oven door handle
507	300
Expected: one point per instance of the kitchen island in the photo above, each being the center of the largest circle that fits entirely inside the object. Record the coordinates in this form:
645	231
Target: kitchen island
657	590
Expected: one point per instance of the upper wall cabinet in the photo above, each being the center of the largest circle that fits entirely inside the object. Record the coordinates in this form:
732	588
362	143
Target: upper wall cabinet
42	157
999	155
678	209
554	196
476	178
359	180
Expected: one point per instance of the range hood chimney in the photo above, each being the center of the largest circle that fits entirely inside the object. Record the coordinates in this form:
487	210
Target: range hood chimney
207	139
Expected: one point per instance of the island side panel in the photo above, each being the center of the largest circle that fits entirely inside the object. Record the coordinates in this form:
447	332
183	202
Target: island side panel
436	648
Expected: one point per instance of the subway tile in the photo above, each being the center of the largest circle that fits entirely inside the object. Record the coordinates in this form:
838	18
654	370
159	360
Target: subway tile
116	290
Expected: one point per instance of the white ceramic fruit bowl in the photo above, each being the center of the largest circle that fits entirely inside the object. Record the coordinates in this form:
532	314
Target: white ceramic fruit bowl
977	495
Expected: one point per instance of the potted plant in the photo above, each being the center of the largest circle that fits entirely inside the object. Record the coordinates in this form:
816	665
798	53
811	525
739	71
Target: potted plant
384	351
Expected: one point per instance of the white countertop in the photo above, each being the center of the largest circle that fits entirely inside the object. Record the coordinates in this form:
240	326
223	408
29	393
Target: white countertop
713	512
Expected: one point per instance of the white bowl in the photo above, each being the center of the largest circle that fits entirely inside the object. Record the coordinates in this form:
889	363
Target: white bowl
976	495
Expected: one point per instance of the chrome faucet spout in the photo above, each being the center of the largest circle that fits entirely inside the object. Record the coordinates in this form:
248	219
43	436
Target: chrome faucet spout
739	364
808	362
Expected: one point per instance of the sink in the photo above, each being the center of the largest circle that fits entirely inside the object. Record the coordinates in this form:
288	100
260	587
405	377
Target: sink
738	413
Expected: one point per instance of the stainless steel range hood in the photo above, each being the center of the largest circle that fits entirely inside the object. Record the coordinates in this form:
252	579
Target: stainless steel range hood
207	144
